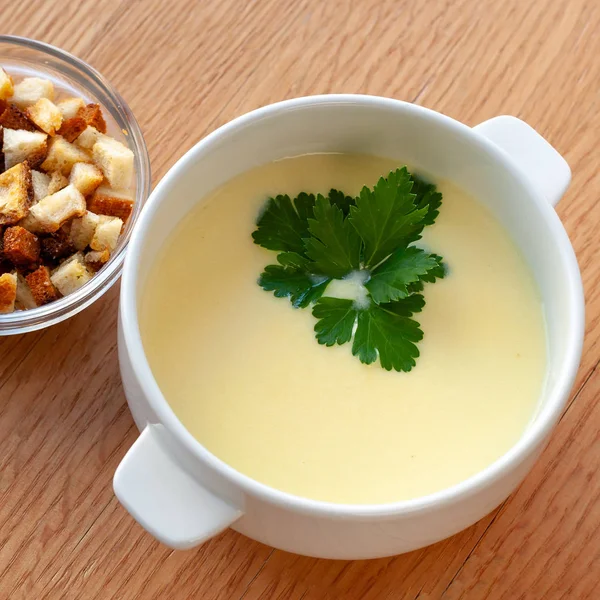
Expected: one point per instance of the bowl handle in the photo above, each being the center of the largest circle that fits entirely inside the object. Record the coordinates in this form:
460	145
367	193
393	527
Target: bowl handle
164	499
546	169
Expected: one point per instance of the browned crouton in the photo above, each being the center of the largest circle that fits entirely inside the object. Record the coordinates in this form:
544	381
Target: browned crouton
92	115
6	85
13	118
46	115
16	194
8	292
57	246
21	247
41	286
108	202
72	128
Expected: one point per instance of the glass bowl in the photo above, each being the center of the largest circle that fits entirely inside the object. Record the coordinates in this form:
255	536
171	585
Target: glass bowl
25	57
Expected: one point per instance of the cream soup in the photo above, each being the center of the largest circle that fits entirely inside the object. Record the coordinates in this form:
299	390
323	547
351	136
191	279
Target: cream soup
244	373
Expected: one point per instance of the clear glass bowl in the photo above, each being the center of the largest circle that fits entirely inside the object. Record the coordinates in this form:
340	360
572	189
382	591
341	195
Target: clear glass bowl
22	56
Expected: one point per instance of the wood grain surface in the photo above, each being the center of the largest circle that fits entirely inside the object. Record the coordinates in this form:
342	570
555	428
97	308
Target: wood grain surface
187	67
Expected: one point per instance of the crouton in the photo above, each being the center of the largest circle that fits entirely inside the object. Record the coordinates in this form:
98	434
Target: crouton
82	230
20	145
8	292
6	85
16	194
30	223
69	107
109	202
115	160
62	155
57	246
92	115
21	247
46	115
88	137
57	182
54	210
24	299
95	259
41	184
30	90
86	177
41	286
72	128
71	274
13	118
106	234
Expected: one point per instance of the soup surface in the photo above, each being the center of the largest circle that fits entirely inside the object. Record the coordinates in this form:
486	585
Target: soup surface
243	372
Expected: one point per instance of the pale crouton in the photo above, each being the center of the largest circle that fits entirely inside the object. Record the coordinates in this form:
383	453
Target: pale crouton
95	259
71	275
88	137
41	183
86	177
82	230
92	115
54	210
106	234
70	106
62	155
13	118
46	115
24	299
57	182
115	160
6	85
41	286
30	223
16	194
20	145
106	201
21	247
8	292
30	90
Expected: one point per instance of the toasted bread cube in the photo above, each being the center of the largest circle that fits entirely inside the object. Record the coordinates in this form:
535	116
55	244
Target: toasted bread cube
70	106
115	160
92	115
30	90
95	259
54	210
106	234
21	247
72	128
88	137
16	194
62	155
8	292
82	230
6	85
24	299
30	223
57	246
46	115
20	145
57	182
41	286
86	177
106	201
13	118
41	184
71	274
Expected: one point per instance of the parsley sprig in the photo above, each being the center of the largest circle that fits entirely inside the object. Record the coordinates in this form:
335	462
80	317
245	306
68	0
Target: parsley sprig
321	238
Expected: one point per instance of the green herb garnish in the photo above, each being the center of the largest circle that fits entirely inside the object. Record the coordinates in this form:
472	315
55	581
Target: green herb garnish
320	239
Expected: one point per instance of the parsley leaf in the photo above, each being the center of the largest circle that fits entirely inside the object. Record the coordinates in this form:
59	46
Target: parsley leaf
426	196
341	200
334	245
391	279
336	320
386	216
284	223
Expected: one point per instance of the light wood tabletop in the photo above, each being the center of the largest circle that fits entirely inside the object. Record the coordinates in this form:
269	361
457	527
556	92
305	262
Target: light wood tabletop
186	68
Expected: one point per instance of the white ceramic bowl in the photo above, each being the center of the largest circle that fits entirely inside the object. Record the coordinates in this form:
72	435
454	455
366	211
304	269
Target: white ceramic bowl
183	494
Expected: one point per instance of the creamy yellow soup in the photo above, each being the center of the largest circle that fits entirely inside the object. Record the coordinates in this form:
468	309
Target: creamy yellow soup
244	373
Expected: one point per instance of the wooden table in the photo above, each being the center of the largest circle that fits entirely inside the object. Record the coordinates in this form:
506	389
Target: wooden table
187	67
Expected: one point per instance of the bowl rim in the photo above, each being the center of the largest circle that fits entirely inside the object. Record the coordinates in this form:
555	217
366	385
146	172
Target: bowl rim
527	444
54	312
